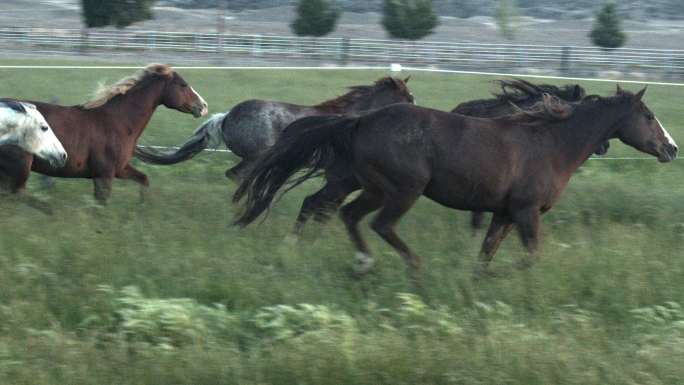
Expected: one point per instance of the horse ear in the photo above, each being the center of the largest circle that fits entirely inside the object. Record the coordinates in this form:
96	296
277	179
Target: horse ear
640	94
407	79
395	82
578	92
619	90
16	106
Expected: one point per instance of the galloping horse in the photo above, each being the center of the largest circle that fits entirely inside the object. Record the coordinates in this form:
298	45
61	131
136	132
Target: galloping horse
251	127
100	135
340	181
22	125
514	166
516	94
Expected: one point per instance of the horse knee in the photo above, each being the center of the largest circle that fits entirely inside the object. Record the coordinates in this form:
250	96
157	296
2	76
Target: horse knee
382	228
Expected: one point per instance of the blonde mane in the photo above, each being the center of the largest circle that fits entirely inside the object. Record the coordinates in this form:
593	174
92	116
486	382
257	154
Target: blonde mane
105	93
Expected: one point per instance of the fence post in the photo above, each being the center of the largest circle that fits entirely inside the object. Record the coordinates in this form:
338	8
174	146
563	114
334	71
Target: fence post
344	51
565	61
84	41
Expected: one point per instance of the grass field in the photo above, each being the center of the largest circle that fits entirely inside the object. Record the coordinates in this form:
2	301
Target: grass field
166	292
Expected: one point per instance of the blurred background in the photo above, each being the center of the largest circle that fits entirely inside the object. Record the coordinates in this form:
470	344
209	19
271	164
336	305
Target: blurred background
625	39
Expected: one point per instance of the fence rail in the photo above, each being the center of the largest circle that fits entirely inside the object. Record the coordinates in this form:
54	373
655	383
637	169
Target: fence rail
567	60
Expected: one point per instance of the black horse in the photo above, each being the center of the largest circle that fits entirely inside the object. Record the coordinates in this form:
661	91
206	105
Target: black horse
515	166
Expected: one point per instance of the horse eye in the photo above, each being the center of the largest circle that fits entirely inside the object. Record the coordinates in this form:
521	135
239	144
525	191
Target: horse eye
44	128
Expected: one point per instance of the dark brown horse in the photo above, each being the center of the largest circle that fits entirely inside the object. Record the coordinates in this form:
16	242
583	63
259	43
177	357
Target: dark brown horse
515	167
518	93
252	126
100	135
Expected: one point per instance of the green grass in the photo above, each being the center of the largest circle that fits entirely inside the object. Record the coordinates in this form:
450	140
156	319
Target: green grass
599	308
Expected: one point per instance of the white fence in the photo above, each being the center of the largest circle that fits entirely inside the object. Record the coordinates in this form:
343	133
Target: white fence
568	60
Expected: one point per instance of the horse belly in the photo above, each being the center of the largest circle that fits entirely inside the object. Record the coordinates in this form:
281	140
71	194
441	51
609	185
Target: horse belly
464	192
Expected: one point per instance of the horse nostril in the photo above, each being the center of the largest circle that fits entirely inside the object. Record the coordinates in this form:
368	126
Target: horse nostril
64	156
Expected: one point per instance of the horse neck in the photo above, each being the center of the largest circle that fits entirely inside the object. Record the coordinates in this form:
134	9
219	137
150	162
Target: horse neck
578	137
135	108
345	106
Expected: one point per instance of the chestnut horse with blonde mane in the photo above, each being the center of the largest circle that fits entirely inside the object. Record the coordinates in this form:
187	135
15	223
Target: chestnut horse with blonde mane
100	135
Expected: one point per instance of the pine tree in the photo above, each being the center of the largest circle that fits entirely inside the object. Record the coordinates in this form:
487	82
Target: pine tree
607	32
409	19
315	18
120	13
505	14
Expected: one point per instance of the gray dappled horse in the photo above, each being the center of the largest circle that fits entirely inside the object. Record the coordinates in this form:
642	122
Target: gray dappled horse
253	126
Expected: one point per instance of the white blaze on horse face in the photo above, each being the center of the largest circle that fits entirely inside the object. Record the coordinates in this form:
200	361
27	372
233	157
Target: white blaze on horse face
205	106
669	138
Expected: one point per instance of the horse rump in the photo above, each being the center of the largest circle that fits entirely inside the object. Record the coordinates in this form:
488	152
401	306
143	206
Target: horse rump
311	143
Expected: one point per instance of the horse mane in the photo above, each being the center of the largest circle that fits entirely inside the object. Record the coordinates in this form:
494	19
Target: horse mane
549	109
357	93
104	93
519	91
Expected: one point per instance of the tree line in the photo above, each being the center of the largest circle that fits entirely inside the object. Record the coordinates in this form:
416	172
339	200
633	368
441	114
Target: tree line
402	19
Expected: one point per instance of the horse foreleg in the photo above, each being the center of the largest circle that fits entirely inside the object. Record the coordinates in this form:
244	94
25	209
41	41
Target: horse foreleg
527	221
103	189
499	228
326	200
476	221
129	172
351	215
393	208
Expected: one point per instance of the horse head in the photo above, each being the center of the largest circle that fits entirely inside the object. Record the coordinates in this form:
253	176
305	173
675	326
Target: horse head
23	125
642	130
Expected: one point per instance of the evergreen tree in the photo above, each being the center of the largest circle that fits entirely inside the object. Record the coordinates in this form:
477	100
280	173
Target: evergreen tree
409	19
315	17
506	12
607	32
120	13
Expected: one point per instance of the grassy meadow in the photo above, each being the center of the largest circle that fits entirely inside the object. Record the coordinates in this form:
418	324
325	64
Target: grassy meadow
166	292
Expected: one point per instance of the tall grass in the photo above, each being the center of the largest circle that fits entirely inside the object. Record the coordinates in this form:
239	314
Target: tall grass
165	292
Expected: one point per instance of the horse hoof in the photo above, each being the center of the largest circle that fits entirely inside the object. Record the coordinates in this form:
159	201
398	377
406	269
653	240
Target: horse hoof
291	240
523	264
363	263
480	273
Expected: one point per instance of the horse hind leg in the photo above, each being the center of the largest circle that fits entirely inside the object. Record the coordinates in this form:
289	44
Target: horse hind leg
238	172
130	172
351	214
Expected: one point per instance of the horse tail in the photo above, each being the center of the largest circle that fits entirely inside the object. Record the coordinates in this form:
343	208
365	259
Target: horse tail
310	143
206	135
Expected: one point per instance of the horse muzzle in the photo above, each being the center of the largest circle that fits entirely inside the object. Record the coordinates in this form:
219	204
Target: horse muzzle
199	109
668	153
57	160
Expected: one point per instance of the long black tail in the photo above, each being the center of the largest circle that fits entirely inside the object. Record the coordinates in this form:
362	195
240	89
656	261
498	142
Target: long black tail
206	135
310	143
